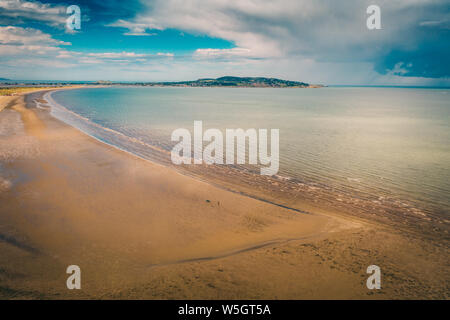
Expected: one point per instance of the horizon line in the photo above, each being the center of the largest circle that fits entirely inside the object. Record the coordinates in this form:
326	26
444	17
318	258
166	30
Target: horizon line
134	81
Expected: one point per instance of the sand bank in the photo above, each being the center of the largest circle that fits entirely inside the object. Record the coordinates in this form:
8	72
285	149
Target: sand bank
5	100
141	230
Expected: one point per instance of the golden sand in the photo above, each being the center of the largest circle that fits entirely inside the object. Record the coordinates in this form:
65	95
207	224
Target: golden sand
4	101
141	230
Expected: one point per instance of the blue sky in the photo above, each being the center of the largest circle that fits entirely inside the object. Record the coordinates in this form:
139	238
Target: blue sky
321	41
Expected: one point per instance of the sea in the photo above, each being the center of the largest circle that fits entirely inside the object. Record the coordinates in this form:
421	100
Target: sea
377	142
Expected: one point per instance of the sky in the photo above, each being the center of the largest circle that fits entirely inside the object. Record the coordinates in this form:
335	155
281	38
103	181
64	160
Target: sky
315	41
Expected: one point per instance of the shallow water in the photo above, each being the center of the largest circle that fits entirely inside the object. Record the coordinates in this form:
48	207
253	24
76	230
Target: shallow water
382	142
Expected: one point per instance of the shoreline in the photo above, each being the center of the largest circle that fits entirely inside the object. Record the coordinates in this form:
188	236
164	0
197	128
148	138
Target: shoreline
285	191
47	95
132	224
210	183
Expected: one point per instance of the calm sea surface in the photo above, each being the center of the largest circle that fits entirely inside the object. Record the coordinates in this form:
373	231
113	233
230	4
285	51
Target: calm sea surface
386	142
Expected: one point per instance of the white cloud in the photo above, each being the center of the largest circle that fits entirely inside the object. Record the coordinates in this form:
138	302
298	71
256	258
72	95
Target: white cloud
117	55
125	57
135	29
399	69
320	41
22	11
16	42
322	31
24	36
223	53
265	29
32	47
165	54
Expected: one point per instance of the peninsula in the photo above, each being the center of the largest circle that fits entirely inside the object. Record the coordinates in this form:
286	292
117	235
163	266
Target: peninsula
227	81
247	82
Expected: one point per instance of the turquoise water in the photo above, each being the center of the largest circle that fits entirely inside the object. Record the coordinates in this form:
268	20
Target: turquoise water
383	142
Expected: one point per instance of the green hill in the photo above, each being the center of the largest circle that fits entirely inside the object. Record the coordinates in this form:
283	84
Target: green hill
229	81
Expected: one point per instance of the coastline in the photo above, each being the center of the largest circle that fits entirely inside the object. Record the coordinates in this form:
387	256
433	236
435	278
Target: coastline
144	230
281	190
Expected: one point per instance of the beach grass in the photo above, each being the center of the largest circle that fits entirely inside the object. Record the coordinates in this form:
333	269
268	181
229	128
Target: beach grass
13	91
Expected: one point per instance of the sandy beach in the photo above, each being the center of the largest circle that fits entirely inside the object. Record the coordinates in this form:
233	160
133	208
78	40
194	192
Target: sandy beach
141	230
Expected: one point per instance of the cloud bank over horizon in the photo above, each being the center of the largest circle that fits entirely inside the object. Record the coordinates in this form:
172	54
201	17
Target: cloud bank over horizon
321	41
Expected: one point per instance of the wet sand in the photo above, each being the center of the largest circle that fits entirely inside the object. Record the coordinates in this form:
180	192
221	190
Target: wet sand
141	230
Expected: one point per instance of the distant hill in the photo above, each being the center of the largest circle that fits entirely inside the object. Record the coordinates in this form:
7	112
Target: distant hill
248	82
103	82
228	81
